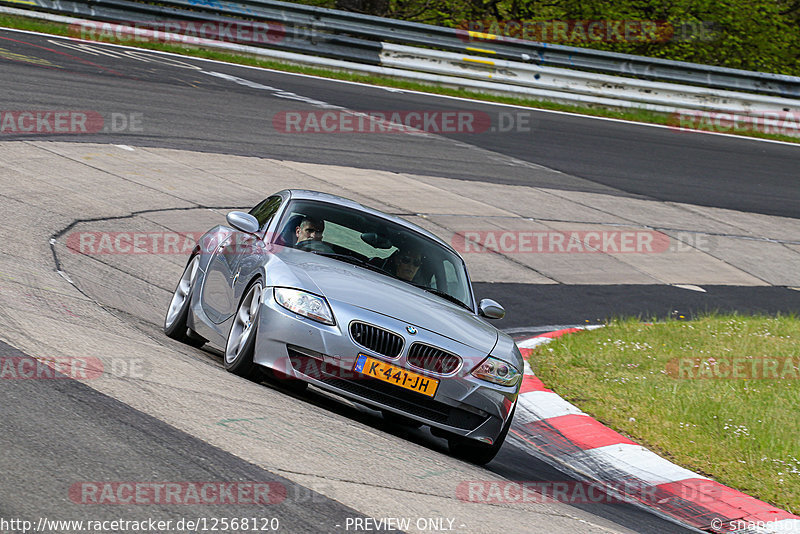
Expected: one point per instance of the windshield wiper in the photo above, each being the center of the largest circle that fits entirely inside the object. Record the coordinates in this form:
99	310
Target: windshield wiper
442	294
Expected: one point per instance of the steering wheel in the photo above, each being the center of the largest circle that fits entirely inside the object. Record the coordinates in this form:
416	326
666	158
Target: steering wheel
311	245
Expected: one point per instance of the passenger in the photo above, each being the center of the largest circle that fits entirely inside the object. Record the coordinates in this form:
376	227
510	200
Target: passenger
406	263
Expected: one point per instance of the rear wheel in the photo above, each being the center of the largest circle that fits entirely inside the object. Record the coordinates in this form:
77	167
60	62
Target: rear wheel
476	452
242	338
175	322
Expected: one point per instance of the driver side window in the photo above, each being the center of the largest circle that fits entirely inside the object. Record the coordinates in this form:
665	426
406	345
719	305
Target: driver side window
266	210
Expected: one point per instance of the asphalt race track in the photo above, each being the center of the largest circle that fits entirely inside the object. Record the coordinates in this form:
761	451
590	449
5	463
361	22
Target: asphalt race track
183	141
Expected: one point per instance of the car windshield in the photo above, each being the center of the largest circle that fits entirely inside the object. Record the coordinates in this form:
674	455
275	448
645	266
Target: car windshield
375	243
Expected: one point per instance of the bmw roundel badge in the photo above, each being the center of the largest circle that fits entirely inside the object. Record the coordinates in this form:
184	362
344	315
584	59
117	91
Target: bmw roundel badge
411	330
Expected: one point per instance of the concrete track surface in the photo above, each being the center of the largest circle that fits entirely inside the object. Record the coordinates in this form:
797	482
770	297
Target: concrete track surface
161	411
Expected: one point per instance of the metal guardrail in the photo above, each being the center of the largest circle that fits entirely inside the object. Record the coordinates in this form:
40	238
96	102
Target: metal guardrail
121	11
612	90
357	37
403	32
304	36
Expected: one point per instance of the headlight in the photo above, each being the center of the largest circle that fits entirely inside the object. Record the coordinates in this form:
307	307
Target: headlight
305	304
497	371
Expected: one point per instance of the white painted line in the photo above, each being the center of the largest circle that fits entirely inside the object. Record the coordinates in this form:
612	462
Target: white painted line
538	405
543	328
65	277
280	93
533	342
690	287
641	463
411	92
526	368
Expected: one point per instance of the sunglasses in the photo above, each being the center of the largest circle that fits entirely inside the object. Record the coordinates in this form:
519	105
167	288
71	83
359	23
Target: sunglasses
415	261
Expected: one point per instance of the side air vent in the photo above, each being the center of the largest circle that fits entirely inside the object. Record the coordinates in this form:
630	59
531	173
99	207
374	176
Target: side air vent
377	339
433	359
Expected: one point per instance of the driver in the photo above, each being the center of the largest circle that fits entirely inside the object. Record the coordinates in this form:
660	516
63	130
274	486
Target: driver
309	229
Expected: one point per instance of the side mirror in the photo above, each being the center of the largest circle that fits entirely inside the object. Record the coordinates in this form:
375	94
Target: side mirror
491	309
243	221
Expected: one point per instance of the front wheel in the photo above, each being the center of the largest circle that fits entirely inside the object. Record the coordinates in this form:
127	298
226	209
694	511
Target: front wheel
242	337
476	452
175	322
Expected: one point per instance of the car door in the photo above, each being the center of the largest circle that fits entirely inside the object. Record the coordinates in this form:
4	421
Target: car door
225	269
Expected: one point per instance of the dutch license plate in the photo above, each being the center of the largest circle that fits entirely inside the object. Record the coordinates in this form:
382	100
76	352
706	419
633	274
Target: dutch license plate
396	375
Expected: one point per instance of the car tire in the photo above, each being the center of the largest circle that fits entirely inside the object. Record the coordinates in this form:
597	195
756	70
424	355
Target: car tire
240	346
175	321
475	452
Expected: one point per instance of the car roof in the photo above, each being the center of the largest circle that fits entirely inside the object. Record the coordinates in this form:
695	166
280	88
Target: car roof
306	194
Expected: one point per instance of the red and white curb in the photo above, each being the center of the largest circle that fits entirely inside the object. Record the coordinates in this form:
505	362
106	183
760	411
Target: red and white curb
562	432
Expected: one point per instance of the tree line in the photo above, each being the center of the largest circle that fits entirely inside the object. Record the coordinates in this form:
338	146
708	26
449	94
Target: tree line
759	35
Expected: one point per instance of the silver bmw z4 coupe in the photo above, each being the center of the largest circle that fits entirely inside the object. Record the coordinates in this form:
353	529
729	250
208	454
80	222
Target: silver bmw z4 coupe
312	288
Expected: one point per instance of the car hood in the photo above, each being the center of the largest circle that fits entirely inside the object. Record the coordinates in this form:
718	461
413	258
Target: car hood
361	287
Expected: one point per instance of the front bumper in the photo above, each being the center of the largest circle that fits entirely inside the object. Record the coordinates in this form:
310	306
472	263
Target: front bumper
298	348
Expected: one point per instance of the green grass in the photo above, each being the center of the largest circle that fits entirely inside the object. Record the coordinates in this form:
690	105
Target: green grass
651	382
638	115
